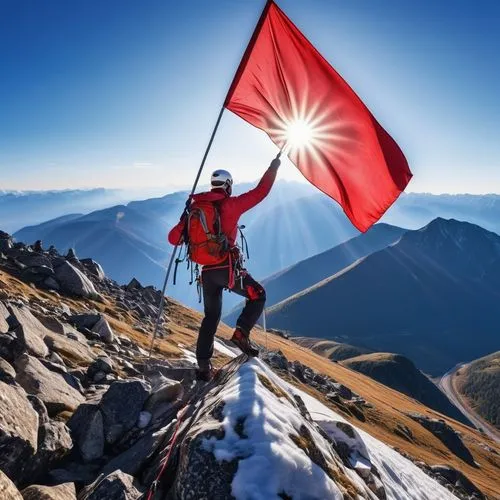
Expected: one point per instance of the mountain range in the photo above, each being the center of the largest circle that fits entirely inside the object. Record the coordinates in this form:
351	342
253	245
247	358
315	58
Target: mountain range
22	208
432	296
293	224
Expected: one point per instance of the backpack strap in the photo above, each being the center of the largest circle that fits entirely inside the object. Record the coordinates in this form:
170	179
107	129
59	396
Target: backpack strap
217	222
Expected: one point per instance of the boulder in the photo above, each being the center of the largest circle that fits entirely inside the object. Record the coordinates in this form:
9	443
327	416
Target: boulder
458	480
54	443
101	364
73	352
28	330
121	405
93	268
33	259
11	346
50	387
40	408
64	491
103	329
7	372
85	321
446	435
343	391
115	486
18	431
132	460
87	429
8	490
73	281
5	241
164	391
133	285
4	314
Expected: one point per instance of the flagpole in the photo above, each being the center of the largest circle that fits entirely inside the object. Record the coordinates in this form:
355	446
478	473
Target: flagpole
236	78
174	253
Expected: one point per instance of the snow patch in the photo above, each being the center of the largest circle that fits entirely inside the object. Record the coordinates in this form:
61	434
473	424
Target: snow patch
224	349
258	429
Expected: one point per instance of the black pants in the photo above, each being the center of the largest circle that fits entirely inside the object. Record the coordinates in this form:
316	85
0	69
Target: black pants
214	281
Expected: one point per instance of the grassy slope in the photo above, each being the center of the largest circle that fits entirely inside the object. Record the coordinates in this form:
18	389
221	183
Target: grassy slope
382	420
479	383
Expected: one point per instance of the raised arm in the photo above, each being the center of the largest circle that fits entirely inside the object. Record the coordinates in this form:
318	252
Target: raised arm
248	200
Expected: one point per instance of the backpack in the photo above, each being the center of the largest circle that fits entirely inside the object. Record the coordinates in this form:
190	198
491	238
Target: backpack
206	244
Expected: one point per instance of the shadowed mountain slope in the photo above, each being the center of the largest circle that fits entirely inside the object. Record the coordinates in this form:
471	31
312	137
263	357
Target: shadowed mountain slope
314	269
400	373
424	297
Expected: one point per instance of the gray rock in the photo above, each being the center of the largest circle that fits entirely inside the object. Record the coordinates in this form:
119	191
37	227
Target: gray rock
447	435
74	352
115	486
37	275
18	431
8	490
164	391
103	329
50	387
61	328
457	479
51	284
99	377
133	285
101	364
4	314
342	390
75	473
132	460
85	321
28	330
32	259
40	408
54	443
7	372
11	346
73	281
87	429
64	491
94	268
276	360
55	358
121	405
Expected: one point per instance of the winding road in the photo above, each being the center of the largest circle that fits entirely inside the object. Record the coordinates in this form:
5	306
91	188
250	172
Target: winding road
446	385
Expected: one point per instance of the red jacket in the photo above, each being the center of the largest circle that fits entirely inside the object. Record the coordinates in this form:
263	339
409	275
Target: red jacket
231	207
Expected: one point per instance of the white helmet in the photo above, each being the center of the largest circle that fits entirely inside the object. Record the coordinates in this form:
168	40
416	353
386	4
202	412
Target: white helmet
221	179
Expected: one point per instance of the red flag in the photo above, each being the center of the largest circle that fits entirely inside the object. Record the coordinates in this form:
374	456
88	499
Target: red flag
286	88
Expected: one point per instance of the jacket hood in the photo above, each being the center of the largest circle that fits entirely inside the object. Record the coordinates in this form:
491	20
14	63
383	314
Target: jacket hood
215	195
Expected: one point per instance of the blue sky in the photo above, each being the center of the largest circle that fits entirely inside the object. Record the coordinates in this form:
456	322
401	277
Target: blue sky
125	93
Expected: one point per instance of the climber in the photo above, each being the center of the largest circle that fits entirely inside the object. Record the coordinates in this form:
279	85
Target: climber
209	228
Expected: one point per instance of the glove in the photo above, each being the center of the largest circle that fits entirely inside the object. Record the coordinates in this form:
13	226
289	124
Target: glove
275	163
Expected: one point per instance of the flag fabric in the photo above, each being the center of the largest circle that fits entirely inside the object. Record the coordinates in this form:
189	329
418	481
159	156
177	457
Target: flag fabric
286	88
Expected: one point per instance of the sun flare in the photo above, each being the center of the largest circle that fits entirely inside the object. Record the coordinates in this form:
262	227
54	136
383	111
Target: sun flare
299	133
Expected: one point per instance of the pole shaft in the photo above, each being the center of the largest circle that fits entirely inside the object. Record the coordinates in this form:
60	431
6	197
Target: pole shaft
174	253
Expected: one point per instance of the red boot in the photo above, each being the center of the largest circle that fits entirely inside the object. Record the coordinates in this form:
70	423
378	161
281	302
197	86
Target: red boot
240	340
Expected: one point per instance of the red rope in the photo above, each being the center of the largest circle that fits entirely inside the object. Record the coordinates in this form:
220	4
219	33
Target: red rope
167	458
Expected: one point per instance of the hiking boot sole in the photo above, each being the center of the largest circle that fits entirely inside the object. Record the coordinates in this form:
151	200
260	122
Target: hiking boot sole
245	349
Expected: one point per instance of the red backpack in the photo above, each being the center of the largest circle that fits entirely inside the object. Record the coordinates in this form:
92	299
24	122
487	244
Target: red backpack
206	244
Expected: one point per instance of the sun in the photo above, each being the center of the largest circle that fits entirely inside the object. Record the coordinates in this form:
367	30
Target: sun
299	133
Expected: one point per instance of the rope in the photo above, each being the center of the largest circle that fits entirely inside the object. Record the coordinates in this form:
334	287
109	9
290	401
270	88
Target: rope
154	484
